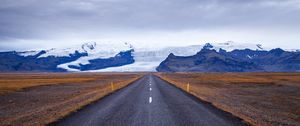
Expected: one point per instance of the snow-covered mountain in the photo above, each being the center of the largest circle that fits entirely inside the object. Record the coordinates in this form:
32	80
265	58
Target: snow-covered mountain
148	59
230	46
94	51
241	60
97	50
106	56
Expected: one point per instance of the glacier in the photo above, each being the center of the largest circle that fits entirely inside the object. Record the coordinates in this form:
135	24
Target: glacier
148	59
145	59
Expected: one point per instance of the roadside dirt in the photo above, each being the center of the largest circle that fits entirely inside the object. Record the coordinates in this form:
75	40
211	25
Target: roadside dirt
44	103
261	99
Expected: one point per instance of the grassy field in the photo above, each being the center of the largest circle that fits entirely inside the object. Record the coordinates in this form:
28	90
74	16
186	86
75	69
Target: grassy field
258	98
41	98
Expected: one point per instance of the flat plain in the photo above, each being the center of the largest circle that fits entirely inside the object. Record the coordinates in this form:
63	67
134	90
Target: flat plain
42	98
258	98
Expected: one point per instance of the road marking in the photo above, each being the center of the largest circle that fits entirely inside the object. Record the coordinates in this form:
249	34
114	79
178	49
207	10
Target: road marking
150	89
150	99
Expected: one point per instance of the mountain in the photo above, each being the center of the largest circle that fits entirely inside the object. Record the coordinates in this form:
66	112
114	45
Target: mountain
214	59
148	59
120	57
88	56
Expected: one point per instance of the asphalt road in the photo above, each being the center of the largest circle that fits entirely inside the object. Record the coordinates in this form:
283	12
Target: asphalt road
150	101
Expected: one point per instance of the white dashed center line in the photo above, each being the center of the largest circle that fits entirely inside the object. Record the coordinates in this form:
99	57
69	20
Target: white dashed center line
150	99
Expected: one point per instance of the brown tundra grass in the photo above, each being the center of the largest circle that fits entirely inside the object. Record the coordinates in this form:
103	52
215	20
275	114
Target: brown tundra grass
42	98
261	99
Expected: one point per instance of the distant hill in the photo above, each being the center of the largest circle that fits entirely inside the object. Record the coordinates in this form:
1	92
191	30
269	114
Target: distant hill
88	56
208	59
120	57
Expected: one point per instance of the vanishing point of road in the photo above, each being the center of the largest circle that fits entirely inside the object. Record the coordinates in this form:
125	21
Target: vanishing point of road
150	101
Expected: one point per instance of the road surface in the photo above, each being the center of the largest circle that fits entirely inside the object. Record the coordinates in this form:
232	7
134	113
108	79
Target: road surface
150	101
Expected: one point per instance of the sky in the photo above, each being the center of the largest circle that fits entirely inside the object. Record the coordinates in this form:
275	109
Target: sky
34	24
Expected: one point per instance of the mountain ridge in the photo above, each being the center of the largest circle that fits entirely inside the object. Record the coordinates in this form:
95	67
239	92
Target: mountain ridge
105	57
210	60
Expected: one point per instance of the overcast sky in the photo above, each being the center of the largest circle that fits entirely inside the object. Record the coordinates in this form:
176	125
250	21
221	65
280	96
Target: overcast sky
30	24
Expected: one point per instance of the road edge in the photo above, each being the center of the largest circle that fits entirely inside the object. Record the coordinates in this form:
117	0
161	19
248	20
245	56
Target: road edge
93	102
207	104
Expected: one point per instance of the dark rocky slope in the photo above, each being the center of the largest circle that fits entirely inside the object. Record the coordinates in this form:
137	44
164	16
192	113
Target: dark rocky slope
12	61
208	60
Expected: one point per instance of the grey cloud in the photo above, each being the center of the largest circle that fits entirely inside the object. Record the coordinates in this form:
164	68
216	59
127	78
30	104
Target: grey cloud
34	19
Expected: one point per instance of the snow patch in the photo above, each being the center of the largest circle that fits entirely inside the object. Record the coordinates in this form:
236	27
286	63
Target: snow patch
95	51
101	50
230	46
28	53
292	50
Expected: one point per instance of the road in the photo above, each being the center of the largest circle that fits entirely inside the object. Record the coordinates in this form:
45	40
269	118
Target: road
150	101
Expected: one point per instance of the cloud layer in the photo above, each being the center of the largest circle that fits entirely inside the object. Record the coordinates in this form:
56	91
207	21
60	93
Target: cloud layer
30	20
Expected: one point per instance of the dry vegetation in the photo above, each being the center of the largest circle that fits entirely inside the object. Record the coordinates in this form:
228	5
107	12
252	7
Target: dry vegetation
258	98
41	98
